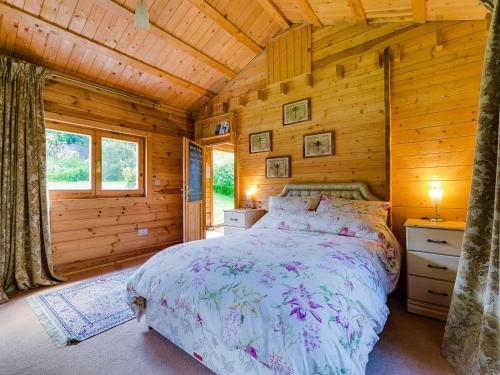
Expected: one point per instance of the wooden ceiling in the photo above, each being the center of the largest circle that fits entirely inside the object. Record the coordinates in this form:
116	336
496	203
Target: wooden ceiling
193	47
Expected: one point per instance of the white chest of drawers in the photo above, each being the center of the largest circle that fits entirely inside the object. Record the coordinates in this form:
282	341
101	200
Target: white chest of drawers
433	252
240	219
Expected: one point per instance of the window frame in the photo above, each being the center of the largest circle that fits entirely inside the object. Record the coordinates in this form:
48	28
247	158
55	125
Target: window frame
96	190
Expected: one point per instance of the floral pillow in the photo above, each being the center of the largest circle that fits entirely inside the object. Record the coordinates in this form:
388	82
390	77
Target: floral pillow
354	208
308	203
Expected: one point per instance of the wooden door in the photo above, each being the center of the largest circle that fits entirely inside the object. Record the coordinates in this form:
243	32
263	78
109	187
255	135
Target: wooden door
194	191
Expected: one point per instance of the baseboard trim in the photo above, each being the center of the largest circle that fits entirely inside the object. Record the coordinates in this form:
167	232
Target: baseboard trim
427	309
85	265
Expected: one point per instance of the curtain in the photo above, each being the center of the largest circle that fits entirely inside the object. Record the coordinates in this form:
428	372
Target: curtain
472	336
25	252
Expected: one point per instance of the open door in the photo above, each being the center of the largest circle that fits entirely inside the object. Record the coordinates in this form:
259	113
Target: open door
194	191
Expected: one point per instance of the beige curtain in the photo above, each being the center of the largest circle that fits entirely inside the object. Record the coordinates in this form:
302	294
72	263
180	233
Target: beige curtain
25	253
472	337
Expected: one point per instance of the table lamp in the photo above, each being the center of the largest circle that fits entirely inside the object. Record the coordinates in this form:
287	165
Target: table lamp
250	193
436	195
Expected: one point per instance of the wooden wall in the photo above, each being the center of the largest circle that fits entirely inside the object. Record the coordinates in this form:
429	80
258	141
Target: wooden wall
435	94
88	232
434	103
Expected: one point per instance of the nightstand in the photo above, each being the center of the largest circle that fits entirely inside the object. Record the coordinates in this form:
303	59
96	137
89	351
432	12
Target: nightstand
241	218
433	252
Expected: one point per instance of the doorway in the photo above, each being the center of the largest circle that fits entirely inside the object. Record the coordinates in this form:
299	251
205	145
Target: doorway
220	186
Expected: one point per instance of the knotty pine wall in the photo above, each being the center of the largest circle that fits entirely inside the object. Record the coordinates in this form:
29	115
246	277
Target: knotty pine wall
434	104
88	232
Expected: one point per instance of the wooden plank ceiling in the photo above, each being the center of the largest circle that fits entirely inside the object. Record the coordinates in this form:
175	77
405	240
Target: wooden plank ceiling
193	47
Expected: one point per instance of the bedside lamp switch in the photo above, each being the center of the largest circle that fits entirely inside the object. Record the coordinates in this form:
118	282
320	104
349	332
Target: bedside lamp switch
157	182
142	232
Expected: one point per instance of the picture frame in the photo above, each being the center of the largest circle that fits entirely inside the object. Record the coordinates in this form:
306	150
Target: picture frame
278	167
296	112
218	129
260	142
319	144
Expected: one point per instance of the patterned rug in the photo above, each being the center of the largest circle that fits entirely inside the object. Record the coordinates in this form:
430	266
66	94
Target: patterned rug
73	314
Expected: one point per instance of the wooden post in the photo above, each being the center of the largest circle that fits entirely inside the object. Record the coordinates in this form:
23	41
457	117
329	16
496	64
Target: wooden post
439	40
283	88
309	80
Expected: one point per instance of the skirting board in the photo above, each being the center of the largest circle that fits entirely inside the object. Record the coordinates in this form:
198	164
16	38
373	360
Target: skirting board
70	268
427	309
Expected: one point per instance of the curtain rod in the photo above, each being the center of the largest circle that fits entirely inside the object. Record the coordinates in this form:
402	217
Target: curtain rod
55	74
67	77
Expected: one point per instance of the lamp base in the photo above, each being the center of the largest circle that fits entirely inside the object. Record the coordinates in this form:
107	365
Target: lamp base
436	220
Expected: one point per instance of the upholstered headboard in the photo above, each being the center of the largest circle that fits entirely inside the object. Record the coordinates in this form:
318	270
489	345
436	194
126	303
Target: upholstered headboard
346	190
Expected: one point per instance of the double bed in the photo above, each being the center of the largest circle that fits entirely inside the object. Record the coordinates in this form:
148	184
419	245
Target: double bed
291	295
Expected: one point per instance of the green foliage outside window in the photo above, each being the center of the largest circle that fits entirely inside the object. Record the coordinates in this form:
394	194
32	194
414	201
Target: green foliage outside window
223	164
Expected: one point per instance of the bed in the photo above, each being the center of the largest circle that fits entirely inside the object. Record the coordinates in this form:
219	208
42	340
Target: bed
288	296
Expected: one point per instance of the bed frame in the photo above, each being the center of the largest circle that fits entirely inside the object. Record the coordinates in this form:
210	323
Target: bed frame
346	190
208	348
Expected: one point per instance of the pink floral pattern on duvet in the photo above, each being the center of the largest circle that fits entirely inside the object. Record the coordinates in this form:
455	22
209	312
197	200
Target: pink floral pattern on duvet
299	302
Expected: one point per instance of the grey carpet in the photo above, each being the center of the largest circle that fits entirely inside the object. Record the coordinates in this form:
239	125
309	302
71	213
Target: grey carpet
410	344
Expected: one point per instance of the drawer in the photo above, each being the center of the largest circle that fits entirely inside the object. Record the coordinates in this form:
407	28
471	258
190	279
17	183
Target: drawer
440	241
429	290
442	267
235	219
231	230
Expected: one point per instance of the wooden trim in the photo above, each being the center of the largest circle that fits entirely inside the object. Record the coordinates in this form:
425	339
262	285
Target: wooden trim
20	14
358	11
388	117
109	193
309	13
419	10
224	23
122	11
272	9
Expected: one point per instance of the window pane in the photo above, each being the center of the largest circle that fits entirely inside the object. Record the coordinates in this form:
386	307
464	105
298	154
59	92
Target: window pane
68	160
120	161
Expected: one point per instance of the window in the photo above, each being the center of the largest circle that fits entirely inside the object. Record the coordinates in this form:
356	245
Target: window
87	163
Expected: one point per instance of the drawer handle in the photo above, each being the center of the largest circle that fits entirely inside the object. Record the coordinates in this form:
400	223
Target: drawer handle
233	219
434	241
437	293
437	267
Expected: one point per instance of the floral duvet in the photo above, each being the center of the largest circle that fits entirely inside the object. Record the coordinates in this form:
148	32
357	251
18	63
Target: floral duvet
298	302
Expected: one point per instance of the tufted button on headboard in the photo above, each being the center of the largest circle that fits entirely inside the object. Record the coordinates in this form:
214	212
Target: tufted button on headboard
346	190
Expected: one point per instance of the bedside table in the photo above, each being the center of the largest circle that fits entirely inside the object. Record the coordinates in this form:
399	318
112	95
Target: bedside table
433	252
241	218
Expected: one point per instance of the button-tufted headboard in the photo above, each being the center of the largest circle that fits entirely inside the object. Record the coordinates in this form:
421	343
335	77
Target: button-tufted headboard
346	190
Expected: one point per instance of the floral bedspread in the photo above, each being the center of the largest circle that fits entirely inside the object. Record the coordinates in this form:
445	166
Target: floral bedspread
298	302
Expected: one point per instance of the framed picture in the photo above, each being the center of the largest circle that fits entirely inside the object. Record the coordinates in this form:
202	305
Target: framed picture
217	129
260	142
319	144
278	167
296	112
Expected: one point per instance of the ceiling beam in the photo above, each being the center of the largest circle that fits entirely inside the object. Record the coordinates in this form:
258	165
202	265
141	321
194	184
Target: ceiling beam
16	13
223	22
122	11
311	16
419	10
358	11
275	13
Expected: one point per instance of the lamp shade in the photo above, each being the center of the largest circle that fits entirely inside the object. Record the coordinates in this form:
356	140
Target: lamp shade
436	195
141	18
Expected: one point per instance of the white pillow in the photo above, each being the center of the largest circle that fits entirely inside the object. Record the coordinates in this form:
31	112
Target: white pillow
341	207
308	203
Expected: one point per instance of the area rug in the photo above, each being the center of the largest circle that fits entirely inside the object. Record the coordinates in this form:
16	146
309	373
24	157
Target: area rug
73	314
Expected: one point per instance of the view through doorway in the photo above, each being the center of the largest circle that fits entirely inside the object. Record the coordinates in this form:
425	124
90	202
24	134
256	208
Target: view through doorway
223	184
